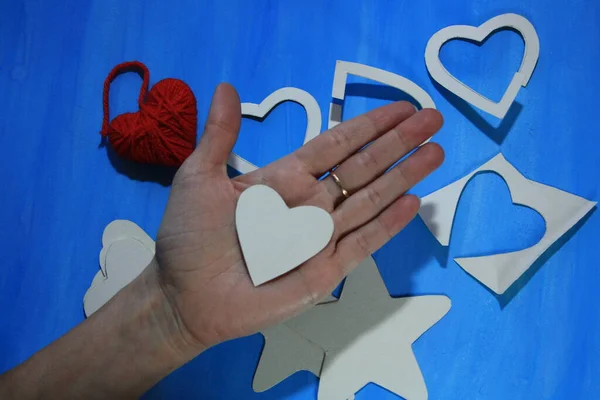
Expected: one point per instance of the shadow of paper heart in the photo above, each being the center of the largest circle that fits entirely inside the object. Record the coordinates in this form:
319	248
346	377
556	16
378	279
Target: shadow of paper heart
496	133
489	55
487	222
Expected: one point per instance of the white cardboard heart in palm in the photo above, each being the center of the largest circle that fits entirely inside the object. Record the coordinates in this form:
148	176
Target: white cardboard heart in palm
276	239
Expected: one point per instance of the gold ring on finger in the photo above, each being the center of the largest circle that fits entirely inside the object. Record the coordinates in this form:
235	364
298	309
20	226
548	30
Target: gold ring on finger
339	183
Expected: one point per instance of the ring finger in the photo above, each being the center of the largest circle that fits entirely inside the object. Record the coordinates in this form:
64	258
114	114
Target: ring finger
367	165
370	201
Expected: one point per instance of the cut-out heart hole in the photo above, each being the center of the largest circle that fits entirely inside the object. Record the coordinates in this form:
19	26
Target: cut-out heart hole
280	132
487	68
487	222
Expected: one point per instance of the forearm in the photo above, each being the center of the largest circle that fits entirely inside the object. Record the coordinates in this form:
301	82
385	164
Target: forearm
120	351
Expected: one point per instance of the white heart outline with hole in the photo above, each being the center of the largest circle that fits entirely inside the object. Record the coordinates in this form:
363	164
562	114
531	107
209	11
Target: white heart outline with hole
275	238
478	34
305	99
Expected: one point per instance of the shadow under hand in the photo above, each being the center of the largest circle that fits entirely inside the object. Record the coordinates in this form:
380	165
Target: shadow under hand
427	212
138	171
407	255
232	172
496	133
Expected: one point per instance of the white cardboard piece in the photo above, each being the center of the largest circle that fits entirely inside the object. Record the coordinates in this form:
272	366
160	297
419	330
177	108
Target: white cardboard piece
125	260
274	238
343	68
560	210
366	336
285	353
478	34
313	116
127	250
122	229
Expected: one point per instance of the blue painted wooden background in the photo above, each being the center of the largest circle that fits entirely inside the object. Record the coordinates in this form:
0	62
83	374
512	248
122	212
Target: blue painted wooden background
59	188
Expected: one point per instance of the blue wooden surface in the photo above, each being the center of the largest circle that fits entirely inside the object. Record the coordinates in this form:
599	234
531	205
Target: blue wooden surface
59	189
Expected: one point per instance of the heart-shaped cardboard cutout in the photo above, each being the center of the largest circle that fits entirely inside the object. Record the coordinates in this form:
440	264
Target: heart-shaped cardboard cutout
121	229
478	34
560	210
313	116
276	239
124	260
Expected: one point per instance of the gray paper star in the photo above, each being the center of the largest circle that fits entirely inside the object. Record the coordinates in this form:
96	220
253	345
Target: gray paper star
364	337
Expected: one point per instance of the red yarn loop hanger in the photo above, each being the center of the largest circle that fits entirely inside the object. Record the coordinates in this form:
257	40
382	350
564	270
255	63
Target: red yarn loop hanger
163	130
129	66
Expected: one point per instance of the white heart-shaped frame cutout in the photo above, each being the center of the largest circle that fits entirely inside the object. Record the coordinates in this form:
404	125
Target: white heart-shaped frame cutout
313	116
478	34
276	239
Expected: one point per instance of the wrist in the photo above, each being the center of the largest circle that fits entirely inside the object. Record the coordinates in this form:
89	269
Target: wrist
163	316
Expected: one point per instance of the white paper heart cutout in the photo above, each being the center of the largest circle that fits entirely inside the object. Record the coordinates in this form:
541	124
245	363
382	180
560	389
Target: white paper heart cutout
120	229
124	260
313	116
276	239
478	34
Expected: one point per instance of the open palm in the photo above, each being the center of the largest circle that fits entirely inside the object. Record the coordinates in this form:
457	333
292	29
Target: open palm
201	264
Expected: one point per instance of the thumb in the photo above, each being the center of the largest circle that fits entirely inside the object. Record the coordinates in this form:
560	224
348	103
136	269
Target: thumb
221	129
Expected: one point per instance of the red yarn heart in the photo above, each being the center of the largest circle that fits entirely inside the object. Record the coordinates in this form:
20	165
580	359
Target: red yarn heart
163	131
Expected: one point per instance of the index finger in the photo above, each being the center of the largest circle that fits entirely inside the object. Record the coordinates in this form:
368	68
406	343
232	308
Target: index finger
335	145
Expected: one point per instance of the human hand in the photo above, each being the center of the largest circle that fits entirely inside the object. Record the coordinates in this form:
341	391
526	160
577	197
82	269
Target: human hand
197	291
200	263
